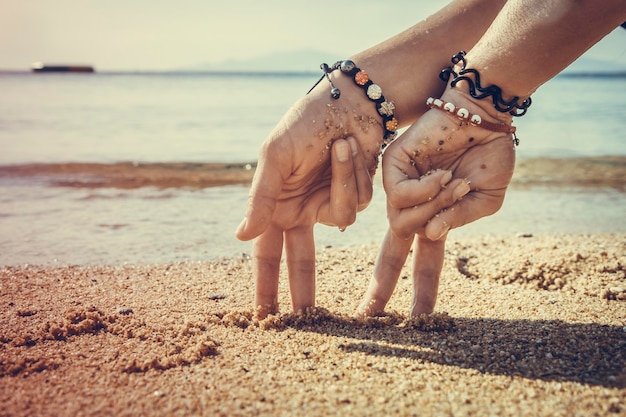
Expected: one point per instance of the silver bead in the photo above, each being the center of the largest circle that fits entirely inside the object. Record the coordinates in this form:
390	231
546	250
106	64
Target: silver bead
347	66
449	107
476	119
335	93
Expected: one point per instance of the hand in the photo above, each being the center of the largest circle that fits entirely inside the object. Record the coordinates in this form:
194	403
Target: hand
298	184
481	163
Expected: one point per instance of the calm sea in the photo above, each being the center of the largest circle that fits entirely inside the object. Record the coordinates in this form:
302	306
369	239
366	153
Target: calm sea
191	117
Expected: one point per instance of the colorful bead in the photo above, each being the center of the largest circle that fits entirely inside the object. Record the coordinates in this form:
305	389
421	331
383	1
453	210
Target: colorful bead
361	78
386	108
374	92
391	124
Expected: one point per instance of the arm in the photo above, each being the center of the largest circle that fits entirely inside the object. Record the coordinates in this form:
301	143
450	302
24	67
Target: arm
528	43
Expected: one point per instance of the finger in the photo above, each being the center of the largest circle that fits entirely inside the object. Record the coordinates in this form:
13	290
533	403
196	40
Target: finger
410	156
428	258
472	207
391	259
435	140
300	251
411	192
342	206
363	178
405	187
407	221
266	254
264	192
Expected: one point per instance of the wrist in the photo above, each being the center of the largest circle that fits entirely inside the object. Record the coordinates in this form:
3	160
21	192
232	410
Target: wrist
461	98
460	76
372	94
352	115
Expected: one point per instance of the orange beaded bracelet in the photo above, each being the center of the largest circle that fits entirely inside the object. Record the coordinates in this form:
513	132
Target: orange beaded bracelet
372	91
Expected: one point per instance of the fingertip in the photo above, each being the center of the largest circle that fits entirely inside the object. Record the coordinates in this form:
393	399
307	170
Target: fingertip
445	178
461	190
436	229
249	229
353	145
342	150
241	230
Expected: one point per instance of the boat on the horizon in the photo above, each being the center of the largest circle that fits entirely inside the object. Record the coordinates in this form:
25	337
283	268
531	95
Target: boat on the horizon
41	67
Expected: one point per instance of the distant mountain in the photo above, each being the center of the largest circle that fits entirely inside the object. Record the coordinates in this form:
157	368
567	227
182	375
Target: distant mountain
293	61
310	60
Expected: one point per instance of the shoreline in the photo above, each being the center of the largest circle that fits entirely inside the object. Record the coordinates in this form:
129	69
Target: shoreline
523	326
604	171
88	222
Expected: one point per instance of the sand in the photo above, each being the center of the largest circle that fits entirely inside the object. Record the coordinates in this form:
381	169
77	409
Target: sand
525	326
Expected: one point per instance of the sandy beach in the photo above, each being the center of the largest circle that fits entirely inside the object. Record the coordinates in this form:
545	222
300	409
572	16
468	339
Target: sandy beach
525	326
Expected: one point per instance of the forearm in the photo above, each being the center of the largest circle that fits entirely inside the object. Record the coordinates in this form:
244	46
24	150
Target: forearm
531	41
407	65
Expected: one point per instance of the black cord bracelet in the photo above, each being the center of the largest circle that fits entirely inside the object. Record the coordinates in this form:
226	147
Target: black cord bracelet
372	91
479	92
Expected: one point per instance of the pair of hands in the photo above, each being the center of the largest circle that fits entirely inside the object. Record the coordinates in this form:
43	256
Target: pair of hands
317	166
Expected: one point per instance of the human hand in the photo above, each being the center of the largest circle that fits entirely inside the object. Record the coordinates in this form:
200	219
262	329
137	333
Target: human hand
298	184
481	163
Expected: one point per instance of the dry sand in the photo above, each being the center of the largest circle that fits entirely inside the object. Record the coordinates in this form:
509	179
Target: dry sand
525	326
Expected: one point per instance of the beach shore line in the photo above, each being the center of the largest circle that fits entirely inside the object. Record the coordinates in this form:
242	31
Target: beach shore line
525	326
608	171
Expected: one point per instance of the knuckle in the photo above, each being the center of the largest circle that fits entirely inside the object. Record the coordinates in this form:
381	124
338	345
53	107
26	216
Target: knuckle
394	198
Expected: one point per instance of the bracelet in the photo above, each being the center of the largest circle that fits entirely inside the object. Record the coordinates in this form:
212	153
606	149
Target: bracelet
512	106
372	91
468	118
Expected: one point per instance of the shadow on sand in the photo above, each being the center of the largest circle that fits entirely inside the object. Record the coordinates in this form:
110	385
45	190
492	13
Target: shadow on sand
586	353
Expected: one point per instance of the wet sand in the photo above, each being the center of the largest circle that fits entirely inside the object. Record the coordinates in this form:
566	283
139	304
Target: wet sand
130	175
609	171
525	326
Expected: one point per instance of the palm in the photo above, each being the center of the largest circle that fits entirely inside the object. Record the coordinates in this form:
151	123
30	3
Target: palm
418	206
437	142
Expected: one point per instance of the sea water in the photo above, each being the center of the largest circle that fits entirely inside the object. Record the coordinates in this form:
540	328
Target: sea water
191	117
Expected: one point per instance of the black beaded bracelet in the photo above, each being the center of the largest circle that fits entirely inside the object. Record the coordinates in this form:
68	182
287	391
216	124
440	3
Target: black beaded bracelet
479	92
372	91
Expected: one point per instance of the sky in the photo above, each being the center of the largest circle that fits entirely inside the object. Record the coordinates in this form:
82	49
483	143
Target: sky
162	35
